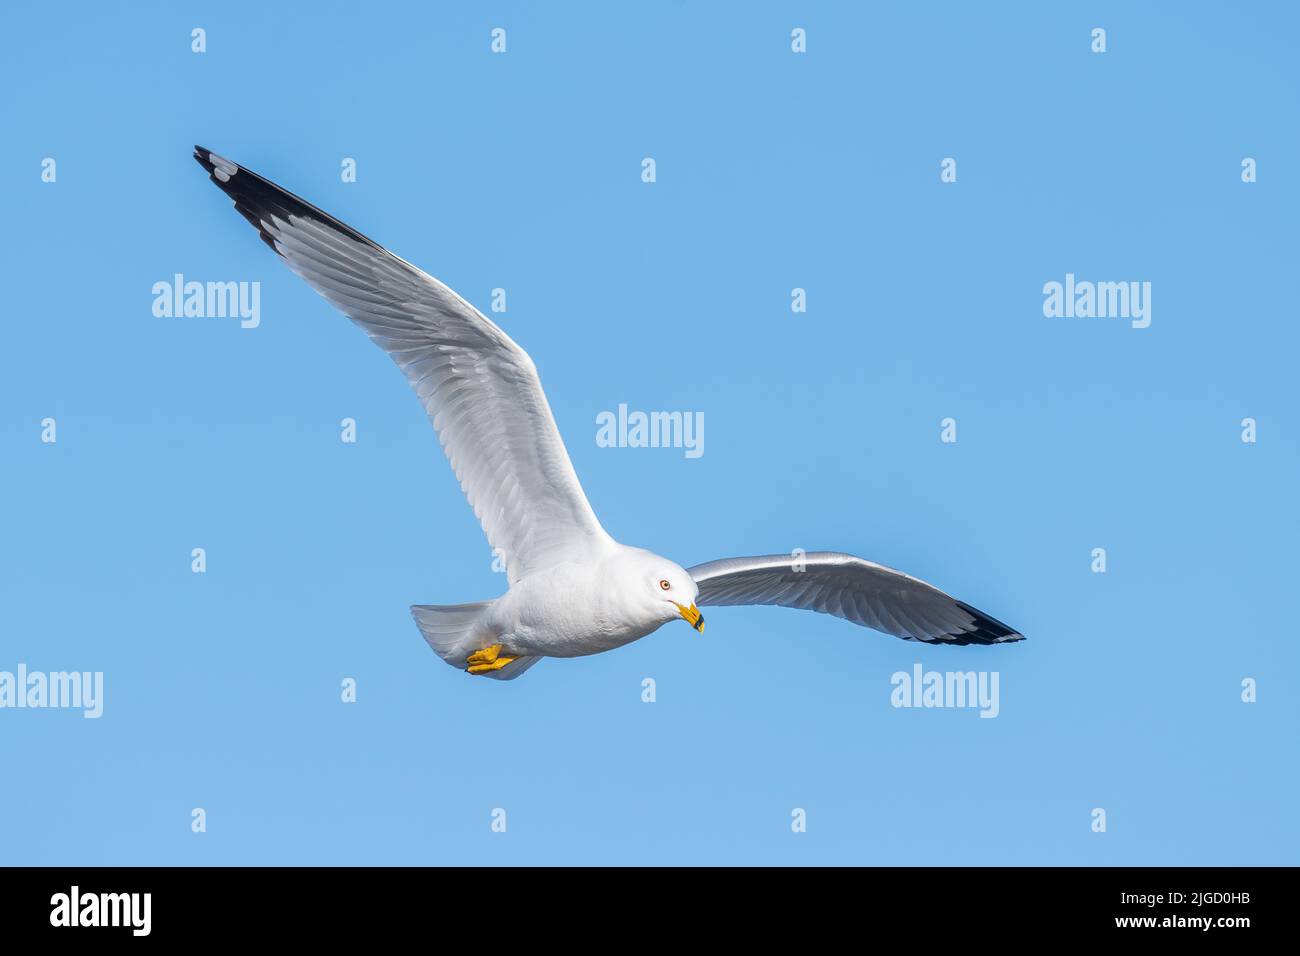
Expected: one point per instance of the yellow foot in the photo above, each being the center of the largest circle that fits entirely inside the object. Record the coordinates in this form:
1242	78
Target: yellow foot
488	659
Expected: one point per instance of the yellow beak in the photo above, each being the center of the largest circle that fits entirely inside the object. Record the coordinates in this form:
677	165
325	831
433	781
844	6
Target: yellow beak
692	616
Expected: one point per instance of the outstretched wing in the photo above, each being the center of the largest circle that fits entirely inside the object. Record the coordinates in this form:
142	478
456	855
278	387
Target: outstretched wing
479	388
859	591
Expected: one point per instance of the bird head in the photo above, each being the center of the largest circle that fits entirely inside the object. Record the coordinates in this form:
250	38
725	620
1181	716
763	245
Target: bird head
666	590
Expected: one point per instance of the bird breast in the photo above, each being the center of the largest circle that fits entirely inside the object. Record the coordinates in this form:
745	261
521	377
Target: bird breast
568	611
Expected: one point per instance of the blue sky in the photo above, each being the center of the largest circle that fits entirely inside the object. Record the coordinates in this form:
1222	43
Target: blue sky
774	170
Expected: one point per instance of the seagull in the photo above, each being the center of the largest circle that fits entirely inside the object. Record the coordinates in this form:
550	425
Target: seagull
573	590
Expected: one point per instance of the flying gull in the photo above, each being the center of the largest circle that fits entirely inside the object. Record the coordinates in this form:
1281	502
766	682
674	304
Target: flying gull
573	590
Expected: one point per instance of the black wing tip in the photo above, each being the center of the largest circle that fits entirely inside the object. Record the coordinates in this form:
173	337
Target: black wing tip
257	198
204	158
986	630
212	163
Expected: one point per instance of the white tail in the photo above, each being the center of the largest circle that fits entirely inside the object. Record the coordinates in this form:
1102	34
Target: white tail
452	631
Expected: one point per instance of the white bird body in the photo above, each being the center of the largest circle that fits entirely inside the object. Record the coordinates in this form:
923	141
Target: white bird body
573	590
579	608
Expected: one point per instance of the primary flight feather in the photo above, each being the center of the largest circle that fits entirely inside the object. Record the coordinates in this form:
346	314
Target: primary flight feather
574	590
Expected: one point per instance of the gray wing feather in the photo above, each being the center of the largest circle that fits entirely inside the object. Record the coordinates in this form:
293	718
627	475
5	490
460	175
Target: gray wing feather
848	587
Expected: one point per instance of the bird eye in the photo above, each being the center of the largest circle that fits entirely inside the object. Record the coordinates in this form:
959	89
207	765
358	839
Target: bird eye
665	585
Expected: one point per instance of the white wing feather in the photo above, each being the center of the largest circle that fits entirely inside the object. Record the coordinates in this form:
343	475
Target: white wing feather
479	388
